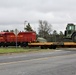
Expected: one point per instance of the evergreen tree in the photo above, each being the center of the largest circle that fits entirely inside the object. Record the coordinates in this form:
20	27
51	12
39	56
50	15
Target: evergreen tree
28	27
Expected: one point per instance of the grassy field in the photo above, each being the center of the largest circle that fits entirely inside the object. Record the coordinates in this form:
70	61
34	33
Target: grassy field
21	50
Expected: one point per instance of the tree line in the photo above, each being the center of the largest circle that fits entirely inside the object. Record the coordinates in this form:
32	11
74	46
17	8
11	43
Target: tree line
44	31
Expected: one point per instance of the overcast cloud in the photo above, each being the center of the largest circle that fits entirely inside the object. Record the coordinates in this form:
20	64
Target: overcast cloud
58	13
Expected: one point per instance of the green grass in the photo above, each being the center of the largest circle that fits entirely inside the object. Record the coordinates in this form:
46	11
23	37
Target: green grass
20	50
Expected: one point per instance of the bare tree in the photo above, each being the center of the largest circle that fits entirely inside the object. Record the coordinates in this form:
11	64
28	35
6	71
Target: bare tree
61	33
44	29
55	32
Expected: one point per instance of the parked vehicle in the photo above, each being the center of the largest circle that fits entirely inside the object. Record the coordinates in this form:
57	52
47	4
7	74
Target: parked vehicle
70	32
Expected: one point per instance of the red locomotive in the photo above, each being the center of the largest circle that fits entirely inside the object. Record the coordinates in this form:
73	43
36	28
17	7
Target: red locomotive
23	38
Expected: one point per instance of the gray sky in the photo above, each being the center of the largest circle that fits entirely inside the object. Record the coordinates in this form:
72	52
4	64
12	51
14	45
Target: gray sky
58	13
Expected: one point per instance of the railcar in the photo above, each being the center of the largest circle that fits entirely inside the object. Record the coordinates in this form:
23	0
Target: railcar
22	39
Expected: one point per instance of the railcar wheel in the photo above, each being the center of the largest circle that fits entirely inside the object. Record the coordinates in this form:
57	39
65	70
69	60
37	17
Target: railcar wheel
24	44
42	47
52	47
